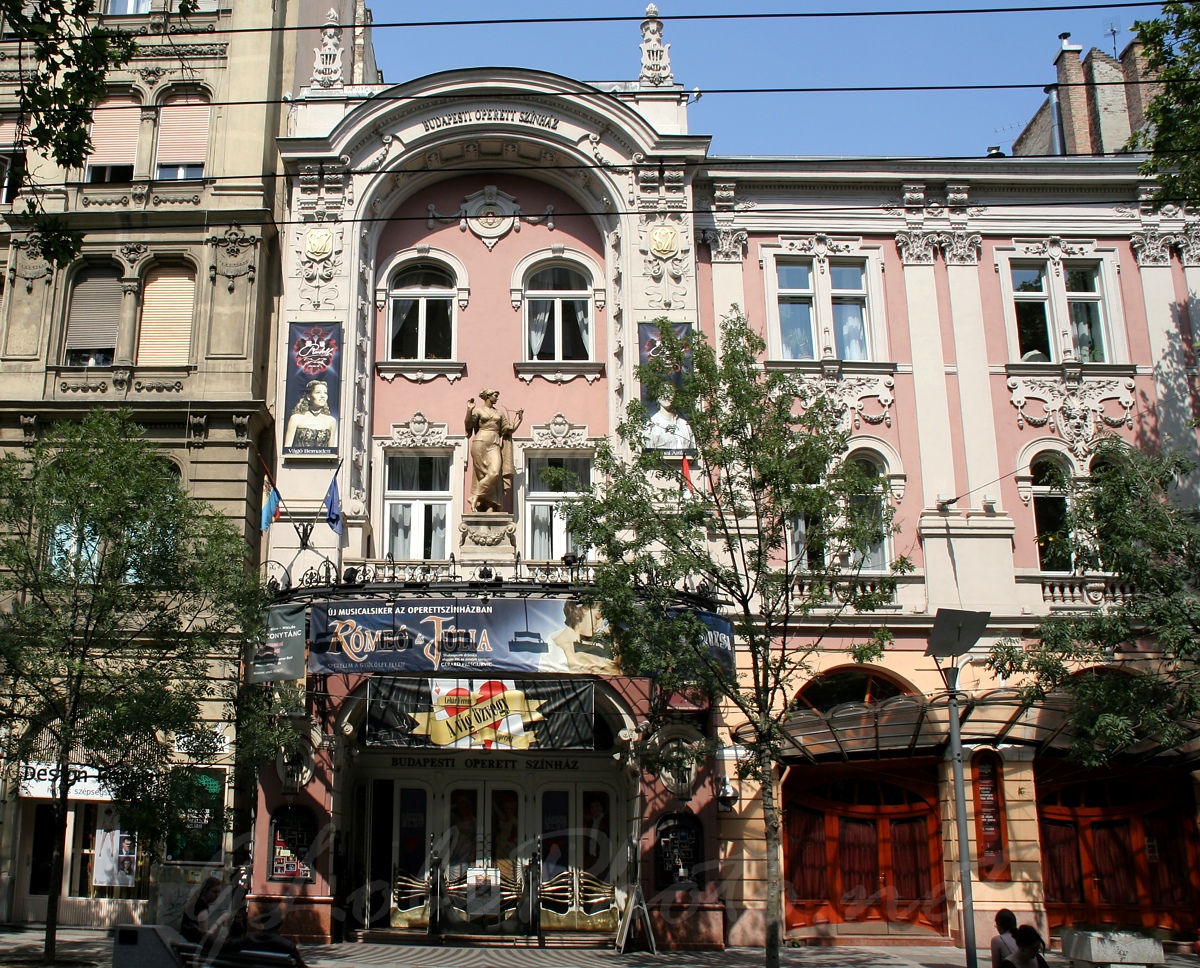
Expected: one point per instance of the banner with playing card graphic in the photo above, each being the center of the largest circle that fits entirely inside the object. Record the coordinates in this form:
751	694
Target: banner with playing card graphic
498	714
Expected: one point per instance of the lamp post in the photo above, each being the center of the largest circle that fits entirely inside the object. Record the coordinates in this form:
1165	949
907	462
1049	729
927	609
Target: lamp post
954	633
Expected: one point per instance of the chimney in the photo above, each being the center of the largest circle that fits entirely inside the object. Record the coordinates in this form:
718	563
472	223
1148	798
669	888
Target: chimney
1072	98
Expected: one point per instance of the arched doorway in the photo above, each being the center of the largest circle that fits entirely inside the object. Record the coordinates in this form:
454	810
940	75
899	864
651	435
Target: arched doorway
862	840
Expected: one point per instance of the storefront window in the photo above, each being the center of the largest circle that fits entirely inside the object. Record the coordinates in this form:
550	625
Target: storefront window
106	861
200	839
678	852
293	830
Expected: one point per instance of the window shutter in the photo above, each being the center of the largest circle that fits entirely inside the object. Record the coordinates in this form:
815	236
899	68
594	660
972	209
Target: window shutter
115	127
95	310
183	130
8	131
165	337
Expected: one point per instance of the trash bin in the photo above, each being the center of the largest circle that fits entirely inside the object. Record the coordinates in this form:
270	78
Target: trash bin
144	946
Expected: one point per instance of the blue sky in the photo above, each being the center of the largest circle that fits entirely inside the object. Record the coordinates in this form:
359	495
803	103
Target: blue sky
870	51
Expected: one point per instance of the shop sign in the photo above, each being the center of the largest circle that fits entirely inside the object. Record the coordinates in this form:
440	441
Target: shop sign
461	634
493	714
281	655
41	780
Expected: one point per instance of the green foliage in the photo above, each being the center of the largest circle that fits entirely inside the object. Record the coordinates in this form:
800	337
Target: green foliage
1124	522
124	609
1172	48
768	458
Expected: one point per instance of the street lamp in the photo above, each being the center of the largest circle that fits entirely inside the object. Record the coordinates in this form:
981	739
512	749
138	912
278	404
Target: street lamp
954	633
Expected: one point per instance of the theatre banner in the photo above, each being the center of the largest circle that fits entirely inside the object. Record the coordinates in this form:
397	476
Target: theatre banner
481	713
280	657
314	387
553	635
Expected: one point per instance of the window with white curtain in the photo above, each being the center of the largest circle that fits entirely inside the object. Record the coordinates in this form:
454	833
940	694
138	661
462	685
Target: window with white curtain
558	314
822	310
546	532
416	505
870	505
422	313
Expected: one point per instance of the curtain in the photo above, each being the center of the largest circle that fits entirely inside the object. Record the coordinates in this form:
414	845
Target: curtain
435	532
795	329
1113	850
910	859
1169	879
850	332
575	329
806	853
404	329
539	318
541	521
400	530
1060	863
858	847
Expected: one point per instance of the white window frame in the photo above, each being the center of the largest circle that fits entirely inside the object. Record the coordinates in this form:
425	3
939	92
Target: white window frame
822	252
559	371
1057	257
420	371
560	541
422	296
418	500
557	297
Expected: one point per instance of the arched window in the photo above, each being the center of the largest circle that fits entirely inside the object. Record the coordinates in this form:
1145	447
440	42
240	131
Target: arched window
165	334
1050	512
94	317
558	303
868	507
182	136
847	685
422	313
116	124
991	819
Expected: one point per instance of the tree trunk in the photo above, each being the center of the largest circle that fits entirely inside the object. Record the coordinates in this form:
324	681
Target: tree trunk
54	893
774	913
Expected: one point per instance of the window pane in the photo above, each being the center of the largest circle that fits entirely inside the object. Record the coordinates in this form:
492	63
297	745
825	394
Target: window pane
558	278
405	322
1082	279
1050	516
541	532
581	467
418	472
437	329
794	275
424	277
1033	335
541	329
399	530
850	331
795	329
1085	327
574	329
434	545
1028	279
846	277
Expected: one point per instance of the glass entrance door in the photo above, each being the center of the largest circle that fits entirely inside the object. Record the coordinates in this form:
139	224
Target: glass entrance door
577	851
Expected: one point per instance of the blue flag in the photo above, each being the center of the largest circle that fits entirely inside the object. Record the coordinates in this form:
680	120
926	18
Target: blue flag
333	505
270	511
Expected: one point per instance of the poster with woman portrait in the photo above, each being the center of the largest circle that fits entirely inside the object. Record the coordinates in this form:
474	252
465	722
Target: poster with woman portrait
666	430
314	386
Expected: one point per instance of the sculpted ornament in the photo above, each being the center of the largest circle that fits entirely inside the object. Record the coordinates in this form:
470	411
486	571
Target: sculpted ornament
848	395
30	265
320	262
916	248
1188	243
656	59
327	67
1073	408
727	244
665	260
960	248
1153	247
490	215
820	247
419	432
233	255
1053	248
558	433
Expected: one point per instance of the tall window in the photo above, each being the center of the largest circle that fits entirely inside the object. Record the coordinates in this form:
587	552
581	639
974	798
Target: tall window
548	538
417	505
182	136
116	125
422	307
822	310
12	159
558	314
1050	513
165	334
869	513
1047	303
93	317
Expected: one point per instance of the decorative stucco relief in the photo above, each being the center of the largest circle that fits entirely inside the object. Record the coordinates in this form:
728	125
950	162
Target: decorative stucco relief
1053	248
960	248
1188	243
559	433
319	262
1153	247
327	64
656	56
820	247
233	255
849	394
30	265
917	248
1073	407
665	252
418	431
490	215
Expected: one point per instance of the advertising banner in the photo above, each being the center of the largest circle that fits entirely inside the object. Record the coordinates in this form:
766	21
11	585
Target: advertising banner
115	860
496	714
281	656
314	386
41	780
666	430
457	634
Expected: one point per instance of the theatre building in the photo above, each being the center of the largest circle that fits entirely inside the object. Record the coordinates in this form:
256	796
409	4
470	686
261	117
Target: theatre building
474	263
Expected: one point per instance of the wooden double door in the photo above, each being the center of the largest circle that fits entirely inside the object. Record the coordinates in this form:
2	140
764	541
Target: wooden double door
863	850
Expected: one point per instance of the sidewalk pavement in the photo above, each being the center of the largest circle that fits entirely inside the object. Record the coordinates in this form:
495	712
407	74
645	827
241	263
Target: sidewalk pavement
95	947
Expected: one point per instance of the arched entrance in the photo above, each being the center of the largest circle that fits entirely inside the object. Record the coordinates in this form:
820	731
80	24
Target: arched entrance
1118	847
862	840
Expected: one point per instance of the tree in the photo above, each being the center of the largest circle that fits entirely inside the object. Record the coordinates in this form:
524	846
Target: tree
764	515
63	57
1171	43
1123	521
124	606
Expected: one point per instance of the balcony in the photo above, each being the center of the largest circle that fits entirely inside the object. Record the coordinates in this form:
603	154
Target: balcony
436	577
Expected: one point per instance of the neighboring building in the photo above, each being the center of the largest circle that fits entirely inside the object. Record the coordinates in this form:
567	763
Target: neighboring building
979	320
167	312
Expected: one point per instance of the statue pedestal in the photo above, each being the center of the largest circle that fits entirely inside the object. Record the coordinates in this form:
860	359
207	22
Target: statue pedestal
487	536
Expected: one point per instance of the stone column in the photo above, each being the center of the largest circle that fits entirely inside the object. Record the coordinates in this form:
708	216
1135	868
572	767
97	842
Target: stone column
127	332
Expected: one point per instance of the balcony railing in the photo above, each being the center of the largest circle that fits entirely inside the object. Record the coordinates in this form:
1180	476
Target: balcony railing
1090	592
422	574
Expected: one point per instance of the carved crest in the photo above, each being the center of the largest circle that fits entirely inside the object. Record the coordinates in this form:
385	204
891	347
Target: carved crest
233	255
417	431
559	433
1072	407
